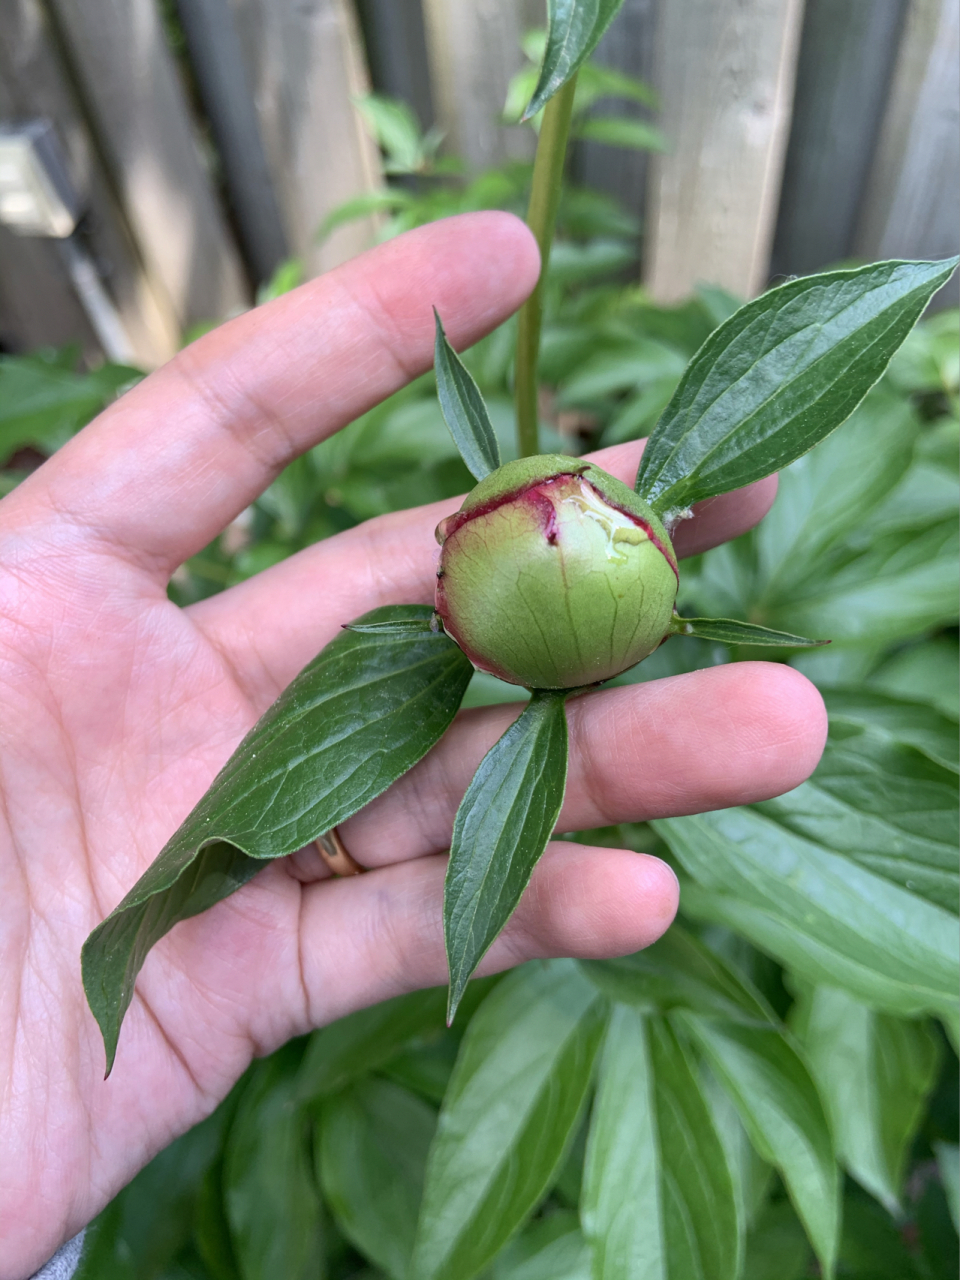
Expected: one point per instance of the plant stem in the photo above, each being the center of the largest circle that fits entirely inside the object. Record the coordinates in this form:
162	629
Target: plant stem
541	218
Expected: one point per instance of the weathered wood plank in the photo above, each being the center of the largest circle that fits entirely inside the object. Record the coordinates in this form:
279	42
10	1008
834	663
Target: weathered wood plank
133	97
913	193
628	47
847	53
474	49
39	306
306	62
725	72
225	88
396	42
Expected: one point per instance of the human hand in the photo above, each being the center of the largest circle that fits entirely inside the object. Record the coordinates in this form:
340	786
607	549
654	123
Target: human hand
119	708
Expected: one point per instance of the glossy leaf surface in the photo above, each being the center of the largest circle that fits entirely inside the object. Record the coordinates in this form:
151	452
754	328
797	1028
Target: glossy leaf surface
574	28
372	1144
778	1103
780	375
875	1073
898	720
730	631
818	912
463	409
885	805
351	723
501	829
658	1200
679	972
514	1099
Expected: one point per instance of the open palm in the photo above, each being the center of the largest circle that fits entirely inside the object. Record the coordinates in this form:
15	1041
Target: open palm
118	708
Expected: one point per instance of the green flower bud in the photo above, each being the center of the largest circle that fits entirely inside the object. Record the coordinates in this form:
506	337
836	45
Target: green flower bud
554	575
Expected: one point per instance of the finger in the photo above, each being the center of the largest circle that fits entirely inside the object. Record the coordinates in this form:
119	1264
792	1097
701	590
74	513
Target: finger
179	456
371	937
724	736
269	627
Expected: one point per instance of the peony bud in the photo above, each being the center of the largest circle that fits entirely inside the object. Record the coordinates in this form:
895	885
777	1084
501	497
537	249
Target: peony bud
554	574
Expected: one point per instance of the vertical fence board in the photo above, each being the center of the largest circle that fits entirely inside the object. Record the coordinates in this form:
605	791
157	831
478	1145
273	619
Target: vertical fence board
474	48
306	63
225	88
847	53
396	43
725	72
135	100
913	193
628	47
40	305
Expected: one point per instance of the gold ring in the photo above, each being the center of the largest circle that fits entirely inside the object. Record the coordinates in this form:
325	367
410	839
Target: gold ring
334	853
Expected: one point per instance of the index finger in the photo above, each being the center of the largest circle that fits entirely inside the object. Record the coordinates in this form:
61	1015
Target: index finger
179	456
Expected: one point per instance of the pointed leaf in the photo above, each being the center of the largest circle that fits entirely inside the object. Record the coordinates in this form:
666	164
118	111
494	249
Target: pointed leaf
729	631
875	1073
573	32
463	409
501	830
366	1040
886	806
351	723
779	375
511	1109
778	1103
820	913
658	1199
372	1144
679	972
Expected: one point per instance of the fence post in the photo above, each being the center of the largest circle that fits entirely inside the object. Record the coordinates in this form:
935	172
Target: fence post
474	50
305	63
38	305
725	72
135	102
847	53
912	195
628	47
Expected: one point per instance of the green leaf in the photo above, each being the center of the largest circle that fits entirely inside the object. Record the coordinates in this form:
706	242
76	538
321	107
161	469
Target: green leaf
886	806
551	1249
948	1162
781	1109
372	1144
679	972
816	911
351	723
43	401
928	672
272	1204
622	131
875	1073
658	1200
779	375
729	631
899	719
463	409
500	832
366	1040
510	1111
574	28
902	584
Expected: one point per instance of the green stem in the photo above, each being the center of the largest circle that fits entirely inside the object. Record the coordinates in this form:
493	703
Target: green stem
541	218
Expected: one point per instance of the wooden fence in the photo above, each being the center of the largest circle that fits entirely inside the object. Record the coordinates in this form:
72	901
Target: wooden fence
209	138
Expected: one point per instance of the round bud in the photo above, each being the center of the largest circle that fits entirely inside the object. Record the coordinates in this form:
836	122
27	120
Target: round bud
554	574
